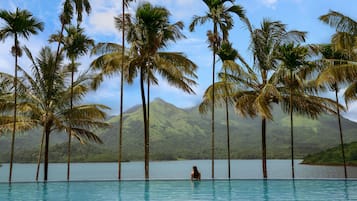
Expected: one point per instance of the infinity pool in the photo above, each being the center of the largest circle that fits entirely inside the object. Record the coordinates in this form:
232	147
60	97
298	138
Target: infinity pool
171	190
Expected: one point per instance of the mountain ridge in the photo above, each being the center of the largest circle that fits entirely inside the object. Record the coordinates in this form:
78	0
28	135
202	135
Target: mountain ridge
177	133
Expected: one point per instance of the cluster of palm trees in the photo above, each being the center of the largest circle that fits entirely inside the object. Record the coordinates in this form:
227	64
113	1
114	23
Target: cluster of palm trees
51	95
284	72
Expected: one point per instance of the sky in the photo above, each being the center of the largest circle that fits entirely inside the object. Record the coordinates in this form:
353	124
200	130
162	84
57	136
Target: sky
299	15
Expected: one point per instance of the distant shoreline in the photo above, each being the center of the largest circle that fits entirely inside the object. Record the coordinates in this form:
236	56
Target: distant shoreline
329	164
128	161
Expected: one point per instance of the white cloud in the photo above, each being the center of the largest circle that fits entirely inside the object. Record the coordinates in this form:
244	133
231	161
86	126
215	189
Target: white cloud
270	3
101	19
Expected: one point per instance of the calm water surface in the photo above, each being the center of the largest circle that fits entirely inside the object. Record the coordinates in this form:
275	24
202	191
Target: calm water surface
240	169
182	190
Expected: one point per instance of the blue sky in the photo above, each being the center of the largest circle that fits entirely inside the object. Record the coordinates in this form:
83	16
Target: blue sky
297	14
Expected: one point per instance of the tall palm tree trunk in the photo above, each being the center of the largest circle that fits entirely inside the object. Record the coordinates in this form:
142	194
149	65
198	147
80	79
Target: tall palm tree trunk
213	101
148	124
69	154
340	129
47	142
40	155
121	95
15	111
291	128
146	137
228	139
292	135
70	127
59	42
264	149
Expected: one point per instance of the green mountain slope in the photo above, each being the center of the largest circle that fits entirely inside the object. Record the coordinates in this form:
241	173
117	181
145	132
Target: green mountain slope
333	156
177	133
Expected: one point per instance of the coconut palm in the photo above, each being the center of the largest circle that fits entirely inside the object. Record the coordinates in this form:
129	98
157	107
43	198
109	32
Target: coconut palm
75	44
258	84
345	39
47	95
148	32
17	24
221	17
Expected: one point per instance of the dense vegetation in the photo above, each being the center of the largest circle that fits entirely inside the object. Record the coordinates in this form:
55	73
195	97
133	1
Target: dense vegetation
184	134
332	156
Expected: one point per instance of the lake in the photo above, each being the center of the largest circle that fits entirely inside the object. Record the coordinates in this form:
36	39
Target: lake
240	169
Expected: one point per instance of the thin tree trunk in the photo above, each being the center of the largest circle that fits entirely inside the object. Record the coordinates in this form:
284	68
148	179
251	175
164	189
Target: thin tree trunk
70	127
147	146
291	128
15	111
69	154
121	95
264	151
292	136
146	137
213	99
340	129
59	43
40	155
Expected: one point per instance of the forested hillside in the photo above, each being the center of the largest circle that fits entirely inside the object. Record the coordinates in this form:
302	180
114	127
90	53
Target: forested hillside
177	133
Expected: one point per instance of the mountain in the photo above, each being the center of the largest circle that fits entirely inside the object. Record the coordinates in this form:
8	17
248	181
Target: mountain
177	133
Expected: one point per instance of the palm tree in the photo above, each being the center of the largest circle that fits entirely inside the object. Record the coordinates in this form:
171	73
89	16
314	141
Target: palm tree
258	87
147	33
125	4
294	61
76	44
335	70
17	24
222	19
47	97
67	14
344	40
223	89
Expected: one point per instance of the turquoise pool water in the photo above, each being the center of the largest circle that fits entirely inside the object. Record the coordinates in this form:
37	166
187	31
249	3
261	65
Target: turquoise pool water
183	190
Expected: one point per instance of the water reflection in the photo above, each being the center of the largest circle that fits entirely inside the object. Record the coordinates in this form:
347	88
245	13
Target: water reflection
195	184
68	190
294	190
119	190
147	191
9	189
346	184
213	184
44	191
265	189
229	190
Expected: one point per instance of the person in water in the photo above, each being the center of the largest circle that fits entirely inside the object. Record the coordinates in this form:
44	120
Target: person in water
195	175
